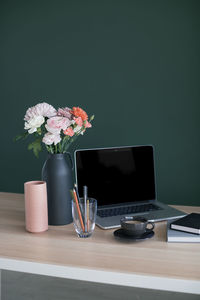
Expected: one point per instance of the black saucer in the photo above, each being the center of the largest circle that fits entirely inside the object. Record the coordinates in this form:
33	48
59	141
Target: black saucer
120	233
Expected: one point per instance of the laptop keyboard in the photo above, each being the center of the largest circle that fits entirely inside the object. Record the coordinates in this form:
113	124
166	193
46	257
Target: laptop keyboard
110	212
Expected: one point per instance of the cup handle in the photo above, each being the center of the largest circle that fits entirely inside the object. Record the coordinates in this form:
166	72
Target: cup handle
152	224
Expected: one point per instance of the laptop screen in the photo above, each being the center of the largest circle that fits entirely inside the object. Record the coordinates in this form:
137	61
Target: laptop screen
116	175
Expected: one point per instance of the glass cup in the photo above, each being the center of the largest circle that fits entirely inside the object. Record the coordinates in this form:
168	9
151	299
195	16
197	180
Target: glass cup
84	216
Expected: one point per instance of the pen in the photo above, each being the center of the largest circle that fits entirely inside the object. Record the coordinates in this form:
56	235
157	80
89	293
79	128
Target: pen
85	205
76	189
81	207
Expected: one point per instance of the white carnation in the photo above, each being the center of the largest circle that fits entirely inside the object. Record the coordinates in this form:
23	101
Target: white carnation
34	123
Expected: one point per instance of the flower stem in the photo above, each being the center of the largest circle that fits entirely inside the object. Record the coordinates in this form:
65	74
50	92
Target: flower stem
60	148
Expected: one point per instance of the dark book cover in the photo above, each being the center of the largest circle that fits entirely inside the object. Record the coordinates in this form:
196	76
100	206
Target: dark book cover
189	223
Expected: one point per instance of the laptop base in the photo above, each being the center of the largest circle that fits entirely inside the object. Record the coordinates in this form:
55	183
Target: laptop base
165	212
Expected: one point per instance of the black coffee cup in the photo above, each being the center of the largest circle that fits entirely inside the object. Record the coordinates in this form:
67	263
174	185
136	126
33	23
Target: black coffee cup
136	226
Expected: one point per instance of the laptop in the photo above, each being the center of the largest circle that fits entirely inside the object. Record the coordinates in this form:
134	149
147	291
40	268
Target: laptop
122	179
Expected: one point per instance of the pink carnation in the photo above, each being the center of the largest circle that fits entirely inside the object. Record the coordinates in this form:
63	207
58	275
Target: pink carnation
55	124
69	131
41	109
88	125
79	121
65	112
49	138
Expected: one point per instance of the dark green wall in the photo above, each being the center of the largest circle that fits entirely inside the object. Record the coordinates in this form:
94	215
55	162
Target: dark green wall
134	64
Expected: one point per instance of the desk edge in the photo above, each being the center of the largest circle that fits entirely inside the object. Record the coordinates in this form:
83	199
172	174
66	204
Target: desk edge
104	277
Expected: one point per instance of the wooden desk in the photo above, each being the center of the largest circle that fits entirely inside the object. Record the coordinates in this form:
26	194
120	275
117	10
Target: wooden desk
153	263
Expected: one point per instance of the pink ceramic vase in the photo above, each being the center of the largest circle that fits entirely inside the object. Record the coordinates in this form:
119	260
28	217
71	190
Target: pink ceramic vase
36	215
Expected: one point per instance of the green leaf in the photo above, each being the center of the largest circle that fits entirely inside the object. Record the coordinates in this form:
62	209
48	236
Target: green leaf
35	146
21	136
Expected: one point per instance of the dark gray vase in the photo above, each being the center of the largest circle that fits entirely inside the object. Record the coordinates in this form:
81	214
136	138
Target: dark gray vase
57	172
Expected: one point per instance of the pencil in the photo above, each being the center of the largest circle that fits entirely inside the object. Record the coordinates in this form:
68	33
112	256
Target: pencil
88	214
85	206
78	209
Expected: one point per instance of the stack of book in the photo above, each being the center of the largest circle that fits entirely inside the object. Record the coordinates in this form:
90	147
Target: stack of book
184	230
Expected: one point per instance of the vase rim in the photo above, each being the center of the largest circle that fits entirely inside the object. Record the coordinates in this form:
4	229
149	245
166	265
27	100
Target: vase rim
56	155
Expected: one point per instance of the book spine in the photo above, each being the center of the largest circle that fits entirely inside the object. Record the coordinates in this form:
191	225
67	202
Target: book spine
186	229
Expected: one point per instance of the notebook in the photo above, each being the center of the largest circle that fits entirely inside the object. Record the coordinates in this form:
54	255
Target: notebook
189	223
175	236
122	179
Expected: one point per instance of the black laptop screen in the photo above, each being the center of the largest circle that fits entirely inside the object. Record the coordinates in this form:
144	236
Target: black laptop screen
116	175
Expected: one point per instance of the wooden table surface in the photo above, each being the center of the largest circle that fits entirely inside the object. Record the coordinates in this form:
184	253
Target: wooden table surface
152	263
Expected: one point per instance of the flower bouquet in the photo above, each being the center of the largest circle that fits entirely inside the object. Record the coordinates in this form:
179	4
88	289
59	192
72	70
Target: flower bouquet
57	129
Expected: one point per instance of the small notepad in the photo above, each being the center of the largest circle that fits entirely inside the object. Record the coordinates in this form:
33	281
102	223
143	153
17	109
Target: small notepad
189	223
